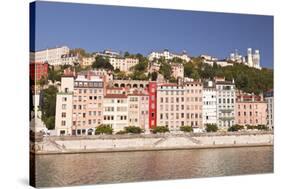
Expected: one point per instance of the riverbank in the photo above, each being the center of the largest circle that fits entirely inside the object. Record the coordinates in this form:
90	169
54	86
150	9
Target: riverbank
125	143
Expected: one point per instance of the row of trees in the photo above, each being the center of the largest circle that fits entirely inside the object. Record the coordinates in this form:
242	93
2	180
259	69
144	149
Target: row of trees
236	127
106	129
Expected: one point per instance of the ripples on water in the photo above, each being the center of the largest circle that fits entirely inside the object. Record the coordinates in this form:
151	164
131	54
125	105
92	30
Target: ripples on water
95	168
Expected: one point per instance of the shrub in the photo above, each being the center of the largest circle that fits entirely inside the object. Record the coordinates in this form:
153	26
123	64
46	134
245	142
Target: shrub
186	128
103	129
211	128
262	127
133	129
235	128
160	129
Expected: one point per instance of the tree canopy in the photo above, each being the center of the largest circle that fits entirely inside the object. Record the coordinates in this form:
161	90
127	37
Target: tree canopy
102	62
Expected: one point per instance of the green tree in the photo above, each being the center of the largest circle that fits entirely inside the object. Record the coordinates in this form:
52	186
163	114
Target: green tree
188	69
235	128
133	129
102	62
165	70
126	54
160	129
141	66
211	128
103	129
186	128
48	106
154	76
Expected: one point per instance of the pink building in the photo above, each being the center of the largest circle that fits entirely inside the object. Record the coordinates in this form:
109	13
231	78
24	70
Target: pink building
87	104
250	109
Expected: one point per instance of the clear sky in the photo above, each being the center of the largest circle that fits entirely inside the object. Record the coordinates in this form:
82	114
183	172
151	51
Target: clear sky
142	30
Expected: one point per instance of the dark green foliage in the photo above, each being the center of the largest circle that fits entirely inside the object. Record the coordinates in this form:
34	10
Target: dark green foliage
235	128
258	127
177	60
188	69
262	127
166	70
103	129
186	128
248	79
211	128
126	54
133	129
48	106
160	129
154	76
102	62
141	66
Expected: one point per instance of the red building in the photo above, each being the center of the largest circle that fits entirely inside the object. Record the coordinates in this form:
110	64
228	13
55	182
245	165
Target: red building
38	70
152	92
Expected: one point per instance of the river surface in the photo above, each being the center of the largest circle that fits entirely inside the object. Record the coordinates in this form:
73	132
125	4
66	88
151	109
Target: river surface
117	167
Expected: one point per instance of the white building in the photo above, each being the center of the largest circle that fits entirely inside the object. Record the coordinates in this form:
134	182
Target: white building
108	53
52	55
225	103
123	64
168	55
115	111
251	60
64	104
69	59
209	103
269	98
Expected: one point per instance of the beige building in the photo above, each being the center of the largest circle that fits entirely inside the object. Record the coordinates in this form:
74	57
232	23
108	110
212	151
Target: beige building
123	64
87	61
138	104
64	102
52	55
79	104
225	103
87	104
180	105
177	70
69	59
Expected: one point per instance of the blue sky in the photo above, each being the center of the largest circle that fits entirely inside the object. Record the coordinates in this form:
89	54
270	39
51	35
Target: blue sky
142	30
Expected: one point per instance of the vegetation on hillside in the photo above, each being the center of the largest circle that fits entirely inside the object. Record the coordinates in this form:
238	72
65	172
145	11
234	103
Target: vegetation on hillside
248	79
48	106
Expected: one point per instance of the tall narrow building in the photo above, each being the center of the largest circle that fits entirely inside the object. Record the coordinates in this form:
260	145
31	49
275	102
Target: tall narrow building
225	103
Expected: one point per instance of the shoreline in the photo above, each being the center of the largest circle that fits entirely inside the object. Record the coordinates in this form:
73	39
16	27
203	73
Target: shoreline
152	149
133	143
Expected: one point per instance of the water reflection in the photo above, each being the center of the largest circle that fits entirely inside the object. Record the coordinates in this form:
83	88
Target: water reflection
92	168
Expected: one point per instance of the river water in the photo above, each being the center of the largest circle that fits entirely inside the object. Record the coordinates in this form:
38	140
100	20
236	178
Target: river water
117	167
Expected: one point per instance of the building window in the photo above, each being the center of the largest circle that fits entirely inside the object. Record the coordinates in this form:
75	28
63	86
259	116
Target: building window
63	123
63	106
63	114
